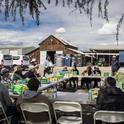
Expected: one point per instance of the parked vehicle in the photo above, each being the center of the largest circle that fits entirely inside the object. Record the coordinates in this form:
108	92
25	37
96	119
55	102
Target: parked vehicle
22	60
6	60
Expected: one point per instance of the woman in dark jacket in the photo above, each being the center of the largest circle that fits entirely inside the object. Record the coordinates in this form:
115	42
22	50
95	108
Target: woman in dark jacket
85	80
74	80
110	97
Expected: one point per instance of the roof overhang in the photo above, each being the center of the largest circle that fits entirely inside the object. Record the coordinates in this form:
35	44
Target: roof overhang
76	51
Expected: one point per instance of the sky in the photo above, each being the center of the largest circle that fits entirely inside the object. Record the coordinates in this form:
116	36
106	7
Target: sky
67	24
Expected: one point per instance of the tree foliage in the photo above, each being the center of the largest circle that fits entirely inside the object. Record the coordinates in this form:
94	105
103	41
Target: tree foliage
12	7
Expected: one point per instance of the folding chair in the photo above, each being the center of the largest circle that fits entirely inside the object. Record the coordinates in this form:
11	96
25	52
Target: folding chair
68	107
2	112
109	116
35	108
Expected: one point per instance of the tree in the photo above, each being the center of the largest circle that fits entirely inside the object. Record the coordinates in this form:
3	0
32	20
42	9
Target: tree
11	7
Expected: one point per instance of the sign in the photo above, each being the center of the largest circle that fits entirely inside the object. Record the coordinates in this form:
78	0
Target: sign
59	52
43	55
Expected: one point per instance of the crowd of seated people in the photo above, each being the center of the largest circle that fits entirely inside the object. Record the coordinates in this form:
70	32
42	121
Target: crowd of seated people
85	81
90	72
109	96
31	73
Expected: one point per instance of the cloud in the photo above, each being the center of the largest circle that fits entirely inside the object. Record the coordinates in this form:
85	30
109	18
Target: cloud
108	28
103	44
60	30
60	20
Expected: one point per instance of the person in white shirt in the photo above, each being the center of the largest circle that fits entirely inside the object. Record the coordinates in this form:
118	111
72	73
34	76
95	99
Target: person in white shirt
48	66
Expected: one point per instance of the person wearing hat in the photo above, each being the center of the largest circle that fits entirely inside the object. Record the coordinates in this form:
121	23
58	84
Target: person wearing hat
31	73
17	75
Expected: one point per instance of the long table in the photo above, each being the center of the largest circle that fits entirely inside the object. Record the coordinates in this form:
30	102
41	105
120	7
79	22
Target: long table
55	83
42	87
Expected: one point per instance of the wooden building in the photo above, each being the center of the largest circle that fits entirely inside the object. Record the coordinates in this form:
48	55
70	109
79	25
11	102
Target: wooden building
52	46
55	45
34	55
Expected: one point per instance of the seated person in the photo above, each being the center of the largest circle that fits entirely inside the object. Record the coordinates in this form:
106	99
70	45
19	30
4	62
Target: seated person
96	72
9	107
32	73
86	80
74	80
4	73
37	70
64	71
17	75
32	95
110	97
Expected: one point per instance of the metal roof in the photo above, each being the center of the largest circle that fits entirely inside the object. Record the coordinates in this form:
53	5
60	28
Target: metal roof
108	47
63	41
66	42
102	53
76	51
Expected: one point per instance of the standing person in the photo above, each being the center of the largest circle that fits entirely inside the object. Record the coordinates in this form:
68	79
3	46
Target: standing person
9	107
114	65
48	66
